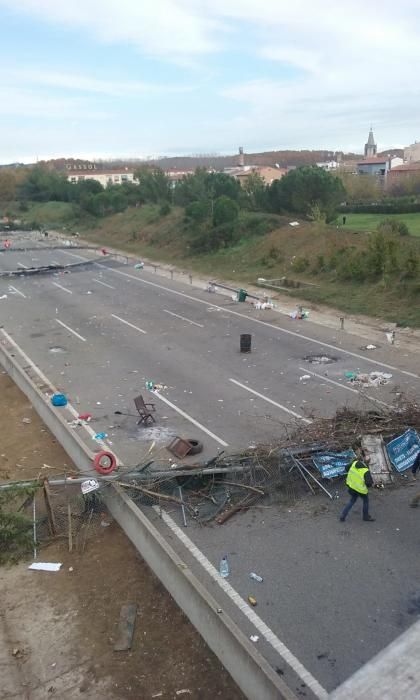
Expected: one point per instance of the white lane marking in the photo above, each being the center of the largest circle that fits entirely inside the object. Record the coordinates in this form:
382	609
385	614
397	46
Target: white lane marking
103	283
55	262
74	255
71	330
265	398
61	287
258	623
343	386
194	323
21	294
127	323
189	418
47	382
25	267
264	323
271	638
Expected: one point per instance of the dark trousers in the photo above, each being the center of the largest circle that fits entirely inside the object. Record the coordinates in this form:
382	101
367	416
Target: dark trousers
415	467
353	498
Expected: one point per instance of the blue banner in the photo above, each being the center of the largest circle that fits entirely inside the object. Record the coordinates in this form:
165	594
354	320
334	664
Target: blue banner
332	464
403	450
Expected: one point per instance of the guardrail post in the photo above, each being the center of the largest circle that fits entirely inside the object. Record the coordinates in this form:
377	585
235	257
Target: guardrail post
342	323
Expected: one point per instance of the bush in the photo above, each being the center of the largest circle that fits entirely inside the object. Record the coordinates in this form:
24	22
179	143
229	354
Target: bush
300	264
198	211
165	209
225	211
393	226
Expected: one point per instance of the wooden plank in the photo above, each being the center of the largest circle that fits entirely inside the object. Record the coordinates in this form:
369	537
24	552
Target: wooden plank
50	512
126	627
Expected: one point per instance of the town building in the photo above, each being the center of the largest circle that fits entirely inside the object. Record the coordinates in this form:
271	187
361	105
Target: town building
412	153
403	172
105	177
372	164
371	148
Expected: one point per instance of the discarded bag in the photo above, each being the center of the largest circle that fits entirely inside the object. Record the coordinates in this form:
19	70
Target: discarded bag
59	400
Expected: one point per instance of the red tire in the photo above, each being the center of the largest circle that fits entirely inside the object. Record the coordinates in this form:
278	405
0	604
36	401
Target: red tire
105	462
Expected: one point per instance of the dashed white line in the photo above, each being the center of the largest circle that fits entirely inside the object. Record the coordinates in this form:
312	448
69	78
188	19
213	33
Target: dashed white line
71	330
240	603
127	323
264	323
343	386
74	255
103	283
194	323
25	267
61	287
191	419
265	398
17	291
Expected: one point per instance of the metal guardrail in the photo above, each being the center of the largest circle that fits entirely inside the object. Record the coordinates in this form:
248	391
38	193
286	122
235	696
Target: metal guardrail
248	668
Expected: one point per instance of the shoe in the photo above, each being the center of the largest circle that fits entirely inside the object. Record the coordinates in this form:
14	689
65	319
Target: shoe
342	520
369	519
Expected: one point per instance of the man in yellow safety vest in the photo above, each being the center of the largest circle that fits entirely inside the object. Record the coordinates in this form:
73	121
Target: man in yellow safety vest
358	481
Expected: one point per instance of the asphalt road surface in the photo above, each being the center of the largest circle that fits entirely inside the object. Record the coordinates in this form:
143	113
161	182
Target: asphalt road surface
333	594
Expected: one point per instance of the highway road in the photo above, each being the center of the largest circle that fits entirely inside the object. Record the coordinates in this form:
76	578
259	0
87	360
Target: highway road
333	594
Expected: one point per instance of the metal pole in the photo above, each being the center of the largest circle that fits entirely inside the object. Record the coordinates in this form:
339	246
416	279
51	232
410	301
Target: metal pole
316	480
34	525
182	506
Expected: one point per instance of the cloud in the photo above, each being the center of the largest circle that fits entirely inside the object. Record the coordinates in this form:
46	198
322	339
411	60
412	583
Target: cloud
159	27
74	82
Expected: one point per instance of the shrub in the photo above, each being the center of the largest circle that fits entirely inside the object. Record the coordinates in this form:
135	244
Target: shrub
300	264
393	226
165	209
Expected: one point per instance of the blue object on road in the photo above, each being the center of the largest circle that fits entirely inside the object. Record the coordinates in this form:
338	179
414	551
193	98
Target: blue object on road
332	464
59	400
403	450
101	436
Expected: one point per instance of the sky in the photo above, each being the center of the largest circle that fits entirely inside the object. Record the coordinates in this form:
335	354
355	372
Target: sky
139	78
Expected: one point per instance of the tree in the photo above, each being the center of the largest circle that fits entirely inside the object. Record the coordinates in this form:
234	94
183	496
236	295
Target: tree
254	193
153	185
8	186
361	188
225	211
198	211
305	188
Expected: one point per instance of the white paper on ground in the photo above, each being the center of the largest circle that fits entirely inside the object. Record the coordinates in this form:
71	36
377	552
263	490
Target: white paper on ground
45	566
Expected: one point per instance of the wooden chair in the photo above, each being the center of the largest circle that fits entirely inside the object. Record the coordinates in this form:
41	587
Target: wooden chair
145	410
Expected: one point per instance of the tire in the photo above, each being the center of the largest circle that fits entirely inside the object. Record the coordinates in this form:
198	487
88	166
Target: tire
104	468
196	447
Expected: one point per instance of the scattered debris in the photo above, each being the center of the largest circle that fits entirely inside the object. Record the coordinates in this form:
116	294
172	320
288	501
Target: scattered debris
254	637
45	566
320	359
304	377
373	379
256	577
27	421
139	266
59	400
126	624
252	601
294	223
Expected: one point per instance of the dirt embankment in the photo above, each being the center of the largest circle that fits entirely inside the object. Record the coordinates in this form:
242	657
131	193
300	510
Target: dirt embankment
57	630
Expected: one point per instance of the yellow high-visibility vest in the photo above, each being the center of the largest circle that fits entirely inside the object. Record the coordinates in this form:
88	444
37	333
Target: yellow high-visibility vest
355	479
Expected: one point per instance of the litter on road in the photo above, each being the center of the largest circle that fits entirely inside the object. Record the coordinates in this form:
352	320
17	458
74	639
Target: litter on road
45	566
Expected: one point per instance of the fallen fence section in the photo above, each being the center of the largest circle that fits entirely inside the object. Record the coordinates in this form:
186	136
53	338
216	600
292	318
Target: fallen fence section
26	271
248	668
392	674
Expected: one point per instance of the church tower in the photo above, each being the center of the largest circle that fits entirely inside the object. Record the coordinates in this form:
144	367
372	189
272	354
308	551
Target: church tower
370	147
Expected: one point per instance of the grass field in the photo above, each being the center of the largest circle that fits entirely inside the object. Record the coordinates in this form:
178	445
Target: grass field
369	222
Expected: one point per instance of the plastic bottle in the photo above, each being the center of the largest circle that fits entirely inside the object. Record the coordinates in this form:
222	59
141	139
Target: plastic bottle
256	577
224	567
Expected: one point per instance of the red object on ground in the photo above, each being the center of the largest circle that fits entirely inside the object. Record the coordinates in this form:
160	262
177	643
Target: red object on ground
102	457
6	244
104	251
85	416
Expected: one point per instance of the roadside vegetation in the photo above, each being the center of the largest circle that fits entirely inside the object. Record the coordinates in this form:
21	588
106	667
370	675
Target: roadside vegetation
209	223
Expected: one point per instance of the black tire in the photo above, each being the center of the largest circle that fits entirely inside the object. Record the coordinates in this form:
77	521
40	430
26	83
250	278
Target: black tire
196	447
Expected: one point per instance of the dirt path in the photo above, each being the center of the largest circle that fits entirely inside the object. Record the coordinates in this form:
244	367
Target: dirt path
57	630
